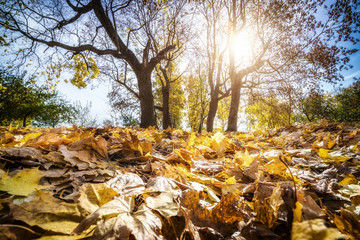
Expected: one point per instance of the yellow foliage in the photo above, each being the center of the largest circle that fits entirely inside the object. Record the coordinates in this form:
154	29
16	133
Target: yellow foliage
82	66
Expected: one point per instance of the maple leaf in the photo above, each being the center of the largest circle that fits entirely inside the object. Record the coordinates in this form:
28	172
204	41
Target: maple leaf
93	196
23	183
267	211
127	184
48	213
122	217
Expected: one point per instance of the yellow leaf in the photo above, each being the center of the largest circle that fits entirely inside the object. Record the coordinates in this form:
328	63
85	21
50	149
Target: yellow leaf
297	212
48	212
315	229
324	153
30	136
163	203
267	210
331	143
275	166
244	160
191	140
23	183
351	179
93	196
231	180
124	216
229	186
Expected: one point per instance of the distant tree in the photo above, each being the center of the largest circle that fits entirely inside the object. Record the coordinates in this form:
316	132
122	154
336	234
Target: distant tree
197	99
348	103
267	112
22	101
213	52
316	106
125	107
107	123
342	106
169	95
82	116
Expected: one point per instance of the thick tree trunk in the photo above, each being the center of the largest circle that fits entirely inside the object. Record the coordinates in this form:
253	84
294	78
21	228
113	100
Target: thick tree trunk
214	98
214	102
166	108
235	83
234	106
146	98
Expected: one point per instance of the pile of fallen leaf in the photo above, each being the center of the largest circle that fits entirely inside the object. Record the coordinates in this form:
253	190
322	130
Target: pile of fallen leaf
298	182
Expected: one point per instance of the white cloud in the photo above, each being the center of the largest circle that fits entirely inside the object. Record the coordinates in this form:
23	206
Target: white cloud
352	75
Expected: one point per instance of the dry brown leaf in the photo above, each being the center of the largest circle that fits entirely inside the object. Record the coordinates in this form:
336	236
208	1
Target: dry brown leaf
127	184
48	213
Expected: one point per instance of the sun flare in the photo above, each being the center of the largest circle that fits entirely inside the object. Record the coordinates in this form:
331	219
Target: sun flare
242	46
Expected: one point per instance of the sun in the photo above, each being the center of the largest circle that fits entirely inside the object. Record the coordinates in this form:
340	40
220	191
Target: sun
242	47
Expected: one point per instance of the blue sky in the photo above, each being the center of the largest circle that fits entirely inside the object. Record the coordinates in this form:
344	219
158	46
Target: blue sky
95	94
355	71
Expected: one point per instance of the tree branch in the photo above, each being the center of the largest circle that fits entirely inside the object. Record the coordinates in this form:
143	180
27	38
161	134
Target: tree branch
161	55
80	11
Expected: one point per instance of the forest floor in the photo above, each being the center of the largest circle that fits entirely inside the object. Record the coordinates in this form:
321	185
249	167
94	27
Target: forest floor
295	182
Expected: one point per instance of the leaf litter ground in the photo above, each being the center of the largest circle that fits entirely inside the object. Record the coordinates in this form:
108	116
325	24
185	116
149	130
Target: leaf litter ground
297	182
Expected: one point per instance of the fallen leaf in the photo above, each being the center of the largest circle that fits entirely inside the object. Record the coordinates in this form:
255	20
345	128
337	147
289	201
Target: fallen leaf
128	183
324	153
93	196
315	229
122	219
48	213
23	183
163	203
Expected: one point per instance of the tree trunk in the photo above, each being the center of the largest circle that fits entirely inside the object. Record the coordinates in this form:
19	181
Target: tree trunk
214	97
146	98
201	121
214	102
234	105
25	117
235	83
166	108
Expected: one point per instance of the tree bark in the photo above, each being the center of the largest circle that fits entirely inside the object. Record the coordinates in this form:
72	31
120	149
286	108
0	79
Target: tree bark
166	107
214	102
214	96
25	117
146	98
234	105
235	83
201	121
